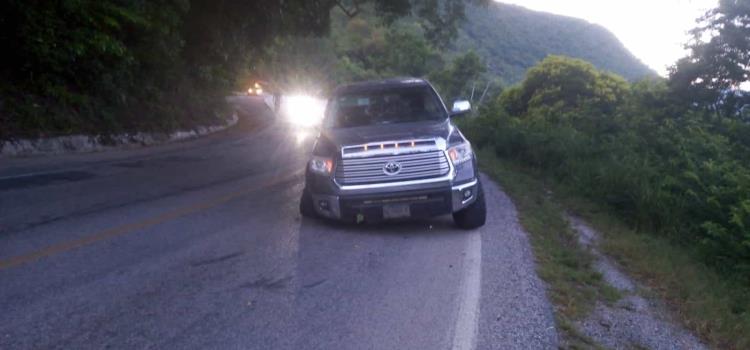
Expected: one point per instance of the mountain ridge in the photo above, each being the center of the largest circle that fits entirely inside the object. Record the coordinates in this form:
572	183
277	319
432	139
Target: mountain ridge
511	39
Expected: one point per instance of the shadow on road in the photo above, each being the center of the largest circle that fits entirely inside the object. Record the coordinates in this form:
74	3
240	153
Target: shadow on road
442	225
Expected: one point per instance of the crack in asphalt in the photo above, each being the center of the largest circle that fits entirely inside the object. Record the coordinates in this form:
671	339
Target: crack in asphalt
216	260
267	283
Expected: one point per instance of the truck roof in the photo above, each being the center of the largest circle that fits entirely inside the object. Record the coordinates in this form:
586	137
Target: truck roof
383	84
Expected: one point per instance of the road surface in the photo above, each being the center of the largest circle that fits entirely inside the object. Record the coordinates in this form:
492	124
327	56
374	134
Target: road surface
199	245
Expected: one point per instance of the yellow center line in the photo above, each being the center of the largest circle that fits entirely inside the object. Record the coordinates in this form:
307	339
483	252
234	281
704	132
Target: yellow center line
135	226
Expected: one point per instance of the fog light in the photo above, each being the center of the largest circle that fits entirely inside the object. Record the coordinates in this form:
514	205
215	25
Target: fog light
323	205
467	194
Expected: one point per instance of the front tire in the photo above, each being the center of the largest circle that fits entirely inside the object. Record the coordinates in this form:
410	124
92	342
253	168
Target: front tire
306	206
473	216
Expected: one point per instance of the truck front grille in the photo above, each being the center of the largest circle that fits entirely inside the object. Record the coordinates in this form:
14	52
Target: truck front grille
371	170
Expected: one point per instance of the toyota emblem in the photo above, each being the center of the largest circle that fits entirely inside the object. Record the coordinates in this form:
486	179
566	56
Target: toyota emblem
391	168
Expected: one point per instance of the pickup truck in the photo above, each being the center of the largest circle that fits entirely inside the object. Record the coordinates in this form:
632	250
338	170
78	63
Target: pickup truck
389	149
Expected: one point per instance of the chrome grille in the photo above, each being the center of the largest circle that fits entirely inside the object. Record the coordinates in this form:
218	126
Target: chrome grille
413	166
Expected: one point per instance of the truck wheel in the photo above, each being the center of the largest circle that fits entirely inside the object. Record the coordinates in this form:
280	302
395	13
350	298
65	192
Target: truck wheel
306	205
474	215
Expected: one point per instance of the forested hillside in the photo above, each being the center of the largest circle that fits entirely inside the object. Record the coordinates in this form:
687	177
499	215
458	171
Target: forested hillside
511	39
109	66
100	67
667	157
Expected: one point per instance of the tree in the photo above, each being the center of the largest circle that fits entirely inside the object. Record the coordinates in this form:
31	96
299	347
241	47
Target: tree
566	84
465	71
107	65
719	60
440	18
369	48
407	52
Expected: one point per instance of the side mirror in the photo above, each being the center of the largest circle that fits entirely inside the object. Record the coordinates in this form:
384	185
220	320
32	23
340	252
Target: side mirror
460	107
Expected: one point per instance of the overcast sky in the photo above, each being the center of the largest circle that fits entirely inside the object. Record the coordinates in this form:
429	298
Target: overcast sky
653	30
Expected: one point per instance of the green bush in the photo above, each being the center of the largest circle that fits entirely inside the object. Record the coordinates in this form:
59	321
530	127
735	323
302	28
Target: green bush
660	167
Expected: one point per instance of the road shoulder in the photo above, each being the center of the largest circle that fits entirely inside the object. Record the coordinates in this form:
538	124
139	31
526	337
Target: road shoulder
601	296
516	312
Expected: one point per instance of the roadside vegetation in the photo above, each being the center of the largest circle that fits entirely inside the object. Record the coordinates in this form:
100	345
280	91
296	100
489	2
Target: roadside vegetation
573	285
367	47
107	66
662	165
111	66
702	299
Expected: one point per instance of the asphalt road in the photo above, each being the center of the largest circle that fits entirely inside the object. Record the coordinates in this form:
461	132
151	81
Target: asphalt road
199	245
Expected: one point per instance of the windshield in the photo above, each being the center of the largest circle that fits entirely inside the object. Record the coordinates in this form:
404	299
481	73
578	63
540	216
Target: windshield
399	105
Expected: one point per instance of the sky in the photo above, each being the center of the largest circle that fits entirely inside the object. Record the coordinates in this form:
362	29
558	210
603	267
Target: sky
655	31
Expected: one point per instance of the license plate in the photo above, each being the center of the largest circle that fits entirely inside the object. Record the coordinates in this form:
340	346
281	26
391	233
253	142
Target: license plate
395	211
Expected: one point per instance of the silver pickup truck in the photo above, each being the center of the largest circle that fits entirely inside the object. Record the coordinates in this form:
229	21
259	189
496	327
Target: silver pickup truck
389	150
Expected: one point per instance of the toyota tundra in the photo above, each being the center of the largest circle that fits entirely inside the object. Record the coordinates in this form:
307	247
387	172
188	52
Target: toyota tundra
389	149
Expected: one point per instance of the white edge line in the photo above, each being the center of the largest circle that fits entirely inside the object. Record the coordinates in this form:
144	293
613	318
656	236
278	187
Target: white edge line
467	321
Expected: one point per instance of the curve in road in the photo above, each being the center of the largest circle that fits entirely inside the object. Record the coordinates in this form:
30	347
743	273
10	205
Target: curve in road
200	245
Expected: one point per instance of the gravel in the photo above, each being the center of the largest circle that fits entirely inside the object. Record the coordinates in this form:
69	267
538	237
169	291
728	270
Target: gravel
633	321
516	313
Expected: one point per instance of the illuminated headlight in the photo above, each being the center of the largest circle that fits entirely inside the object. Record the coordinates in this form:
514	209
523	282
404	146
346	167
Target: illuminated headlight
303	110
460	154
321	165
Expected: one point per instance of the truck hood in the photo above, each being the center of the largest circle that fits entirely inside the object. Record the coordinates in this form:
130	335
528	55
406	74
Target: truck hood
388	132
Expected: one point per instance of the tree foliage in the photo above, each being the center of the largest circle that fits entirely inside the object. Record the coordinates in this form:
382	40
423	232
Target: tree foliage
635	148
567	84
366	47
99	66
719	60
464	74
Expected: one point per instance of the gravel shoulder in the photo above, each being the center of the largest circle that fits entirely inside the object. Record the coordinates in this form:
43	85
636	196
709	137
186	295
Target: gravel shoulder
634	321
516	312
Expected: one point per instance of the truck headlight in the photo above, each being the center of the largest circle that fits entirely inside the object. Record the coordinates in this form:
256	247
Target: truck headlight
460	154
321	165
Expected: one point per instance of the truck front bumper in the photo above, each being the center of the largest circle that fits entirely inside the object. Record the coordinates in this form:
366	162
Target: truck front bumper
369	206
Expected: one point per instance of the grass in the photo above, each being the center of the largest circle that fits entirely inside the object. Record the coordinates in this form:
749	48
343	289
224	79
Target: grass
711	305
707	303
574	285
